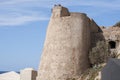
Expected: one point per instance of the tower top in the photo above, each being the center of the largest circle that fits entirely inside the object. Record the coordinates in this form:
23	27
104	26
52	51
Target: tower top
57	5
60	11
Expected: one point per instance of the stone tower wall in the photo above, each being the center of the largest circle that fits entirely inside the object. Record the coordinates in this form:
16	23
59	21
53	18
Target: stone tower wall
66	48
94	27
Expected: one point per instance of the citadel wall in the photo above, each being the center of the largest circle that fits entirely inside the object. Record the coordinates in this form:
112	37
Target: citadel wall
67	44
112	36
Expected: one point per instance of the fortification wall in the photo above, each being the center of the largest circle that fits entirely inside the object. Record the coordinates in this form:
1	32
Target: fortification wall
66	47
113	34
67	44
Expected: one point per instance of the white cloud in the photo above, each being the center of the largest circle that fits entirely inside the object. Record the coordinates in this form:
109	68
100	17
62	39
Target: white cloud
17	12
11	21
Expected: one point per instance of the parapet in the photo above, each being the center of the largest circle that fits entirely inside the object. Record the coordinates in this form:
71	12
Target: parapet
60	11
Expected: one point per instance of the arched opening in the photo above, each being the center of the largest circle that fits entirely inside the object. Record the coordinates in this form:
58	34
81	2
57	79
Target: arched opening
112	44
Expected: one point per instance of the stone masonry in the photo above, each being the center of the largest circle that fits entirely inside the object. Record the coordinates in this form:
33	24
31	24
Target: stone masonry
70	36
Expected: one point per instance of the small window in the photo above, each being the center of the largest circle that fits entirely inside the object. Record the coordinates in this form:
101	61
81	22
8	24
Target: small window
112	44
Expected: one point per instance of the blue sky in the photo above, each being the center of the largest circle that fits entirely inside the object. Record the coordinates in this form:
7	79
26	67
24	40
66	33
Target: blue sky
23	25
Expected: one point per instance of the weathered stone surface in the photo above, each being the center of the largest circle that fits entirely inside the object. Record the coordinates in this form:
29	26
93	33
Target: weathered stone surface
66	47
69	38
113	34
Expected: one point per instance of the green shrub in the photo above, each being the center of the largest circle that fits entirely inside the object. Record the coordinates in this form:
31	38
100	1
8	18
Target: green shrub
100	53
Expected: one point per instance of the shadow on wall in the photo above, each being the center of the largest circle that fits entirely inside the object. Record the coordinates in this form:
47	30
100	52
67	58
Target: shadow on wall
96	34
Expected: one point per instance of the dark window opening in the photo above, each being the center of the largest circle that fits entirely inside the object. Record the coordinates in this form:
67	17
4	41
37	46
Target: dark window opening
112	44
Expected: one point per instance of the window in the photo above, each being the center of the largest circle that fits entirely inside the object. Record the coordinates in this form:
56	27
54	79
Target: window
112	44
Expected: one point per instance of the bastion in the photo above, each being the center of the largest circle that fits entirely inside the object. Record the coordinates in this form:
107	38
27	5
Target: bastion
67	44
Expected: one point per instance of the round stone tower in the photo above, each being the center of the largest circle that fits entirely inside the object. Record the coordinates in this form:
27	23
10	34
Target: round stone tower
68	40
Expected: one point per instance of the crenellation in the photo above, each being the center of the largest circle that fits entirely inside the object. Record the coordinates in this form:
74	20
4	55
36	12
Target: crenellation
60	11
